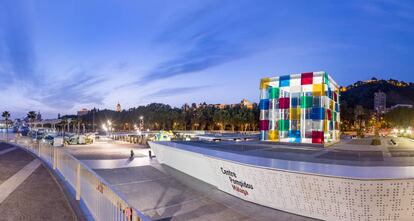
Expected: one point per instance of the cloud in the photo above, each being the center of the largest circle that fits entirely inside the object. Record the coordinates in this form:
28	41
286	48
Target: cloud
204	39
75	89
18	56
167	92
208	52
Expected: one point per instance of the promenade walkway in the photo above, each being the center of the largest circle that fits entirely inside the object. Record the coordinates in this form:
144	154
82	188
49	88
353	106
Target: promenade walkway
27	190
164	193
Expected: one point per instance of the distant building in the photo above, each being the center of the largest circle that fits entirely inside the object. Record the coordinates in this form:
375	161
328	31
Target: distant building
246	103
380	101
83	112
118	107
220	106
243	103
401	105
38	116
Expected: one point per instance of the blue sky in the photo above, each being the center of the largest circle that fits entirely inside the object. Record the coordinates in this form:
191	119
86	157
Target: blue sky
60	56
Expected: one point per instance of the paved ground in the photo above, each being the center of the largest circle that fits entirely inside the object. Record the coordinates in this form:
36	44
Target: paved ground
164	193
352	152
28	190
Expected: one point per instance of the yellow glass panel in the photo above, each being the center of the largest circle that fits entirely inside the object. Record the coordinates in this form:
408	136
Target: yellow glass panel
273	135
264	83
318	90
294	113
325	125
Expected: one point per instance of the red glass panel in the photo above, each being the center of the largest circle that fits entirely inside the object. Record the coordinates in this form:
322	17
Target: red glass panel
317	137
329	113
307	78
264	125
284	103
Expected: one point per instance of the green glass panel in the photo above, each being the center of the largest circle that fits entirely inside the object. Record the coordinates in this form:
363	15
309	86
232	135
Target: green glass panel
273	92
334	116
306	101
325	78
283	125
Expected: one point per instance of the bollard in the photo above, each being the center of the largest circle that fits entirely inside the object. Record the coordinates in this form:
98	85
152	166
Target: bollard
149	154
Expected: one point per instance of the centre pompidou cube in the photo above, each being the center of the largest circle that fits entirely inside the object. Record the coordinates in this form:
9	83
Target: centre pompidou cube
299	108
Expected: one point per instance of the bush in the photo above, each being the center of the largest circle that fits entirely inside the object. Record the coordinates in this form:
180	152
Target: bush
376	142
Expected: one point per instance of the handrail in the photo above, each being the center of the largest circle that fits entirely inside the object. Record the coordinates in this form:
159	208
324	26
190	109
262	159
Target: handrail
100	198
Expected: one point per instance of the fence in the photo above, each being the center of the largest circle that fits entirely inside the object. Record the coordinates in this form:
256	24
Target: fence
102	201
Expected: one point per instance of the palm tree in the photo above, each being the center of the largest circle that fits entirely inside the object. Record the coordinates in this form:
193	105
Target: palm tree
32	116
6	116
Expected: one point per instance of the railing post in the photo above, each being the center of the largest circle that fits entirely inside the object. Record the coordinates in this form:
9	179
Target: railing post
54	158
78	182
39	146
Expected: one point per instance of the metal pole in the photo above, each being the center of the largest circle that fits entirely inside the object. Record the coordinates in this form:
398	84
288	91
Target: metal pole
93	120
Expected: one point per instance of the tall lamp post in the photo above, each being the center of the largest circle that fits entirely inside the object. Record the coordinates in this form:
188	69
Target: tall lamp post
141	123
110	128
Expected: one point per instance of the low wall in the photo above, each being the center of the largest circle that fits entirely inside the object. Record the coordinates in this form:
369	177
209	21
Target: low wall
311	195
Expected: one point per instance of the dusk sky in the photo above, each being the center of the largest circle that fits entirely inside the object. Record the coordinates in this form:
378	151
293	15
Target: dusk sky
61	56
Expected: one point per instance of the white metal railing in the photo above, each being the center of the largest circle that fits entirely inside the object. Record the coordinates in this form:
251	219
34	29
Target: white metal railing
101	200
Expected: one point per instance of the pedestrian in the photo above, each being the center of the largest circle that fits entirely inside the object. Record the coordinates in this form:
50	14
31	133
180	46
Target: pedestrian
132	154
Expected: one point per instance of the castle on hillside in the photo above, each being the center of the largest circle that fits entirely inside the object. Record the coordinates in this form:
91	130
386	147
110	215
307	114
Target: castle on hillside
118	107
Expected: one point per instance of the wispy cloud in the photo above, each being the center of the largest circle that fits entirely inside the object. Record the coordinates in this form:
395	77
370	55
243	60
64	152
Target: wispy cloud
17	61
167	92
209	36
75	89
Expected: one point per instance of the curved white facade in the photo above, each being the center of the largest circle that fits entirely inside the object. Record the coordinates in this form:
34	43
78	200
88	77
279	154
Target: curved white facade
311	195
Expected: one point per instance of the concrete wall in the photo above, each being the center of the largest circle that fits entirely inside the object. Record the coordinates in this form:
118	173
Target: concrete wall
321	197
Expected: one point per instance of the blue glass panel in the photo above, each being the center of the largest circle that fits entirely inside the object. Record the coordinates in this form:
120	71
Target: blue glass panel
294	136
294	102
264	104
284	81
318	113
329	93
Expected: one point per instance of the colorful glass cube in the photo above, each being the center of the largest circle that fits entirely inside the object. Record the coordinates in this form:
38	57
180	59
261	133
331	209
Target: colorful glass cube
300	108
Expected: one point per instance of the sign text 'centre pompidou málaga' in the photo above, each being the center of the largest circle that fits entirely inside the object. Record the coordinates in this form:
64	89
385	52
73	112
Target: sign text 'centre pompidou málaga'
299	108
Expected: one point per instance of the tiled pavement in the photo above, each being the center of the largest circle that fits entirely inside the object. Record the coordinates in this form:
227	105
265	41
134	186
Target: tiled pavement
27	189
